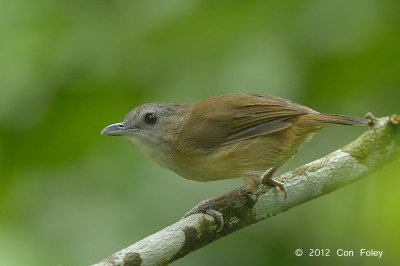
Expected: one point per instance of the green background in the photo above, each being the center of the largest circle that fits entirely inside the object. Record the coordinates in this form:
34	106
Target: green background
68	68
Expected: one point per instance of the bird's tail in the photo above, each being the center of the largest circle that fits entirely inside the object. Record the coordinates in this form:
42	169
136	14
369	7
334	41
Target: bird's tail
325	119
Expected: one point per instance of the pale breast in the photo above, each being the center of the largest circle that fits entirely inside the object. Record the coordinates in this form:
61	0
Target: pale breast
228	161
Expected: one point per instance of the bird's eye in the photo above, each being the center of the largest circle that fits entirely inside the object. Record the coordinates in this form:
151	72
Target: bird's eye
150	118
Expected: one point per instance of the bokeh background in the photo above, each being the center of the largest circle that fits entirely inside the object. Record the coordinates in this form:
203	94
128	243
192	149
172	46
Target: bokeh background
68	68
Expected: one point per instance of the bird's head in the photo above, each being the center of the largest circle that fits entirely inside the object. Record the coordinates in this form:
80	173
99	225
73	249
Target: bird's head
150	124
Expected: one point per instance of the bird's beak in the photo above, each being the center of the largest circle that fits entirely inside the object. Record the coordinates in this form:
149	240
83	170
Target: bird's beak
117	129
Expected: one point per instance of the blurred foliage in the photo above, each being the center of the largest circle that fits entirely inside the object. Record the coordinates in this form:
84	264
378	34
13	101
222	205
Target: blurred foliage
67	69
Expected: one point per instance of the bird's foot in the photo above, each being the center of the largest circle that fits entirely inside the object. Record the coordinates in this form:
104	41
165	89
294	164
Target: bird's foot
371	117
205	206
267	179
276	183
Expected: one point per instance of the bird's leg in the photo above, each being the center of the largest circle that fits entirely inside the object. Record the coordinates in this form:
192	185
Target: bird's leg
206	205
267	179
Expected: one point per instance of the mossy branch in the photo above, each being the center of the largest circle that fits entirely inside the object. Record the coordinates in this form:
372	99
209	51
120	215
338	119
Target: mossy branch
376	147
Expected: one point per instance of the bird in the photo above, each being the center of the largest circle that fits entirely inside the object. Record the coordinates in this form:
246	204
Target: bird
223	137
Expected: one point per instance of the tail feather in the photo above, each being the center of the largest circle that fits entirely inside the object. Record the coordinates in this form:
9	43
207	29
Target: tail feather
324	119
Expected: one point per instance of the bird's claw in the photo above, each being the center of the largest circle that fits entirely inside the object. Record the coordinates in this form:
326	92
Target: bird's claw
205	206
218	216
278	184
201	207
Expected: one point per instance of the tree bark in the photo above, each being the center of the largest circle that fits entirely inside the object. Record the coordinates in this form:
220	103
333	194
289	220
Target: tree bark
376	147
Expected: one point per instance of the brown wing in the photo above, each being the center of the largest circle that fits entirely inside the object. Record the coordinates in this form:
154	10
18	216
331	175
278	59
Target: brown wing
225	119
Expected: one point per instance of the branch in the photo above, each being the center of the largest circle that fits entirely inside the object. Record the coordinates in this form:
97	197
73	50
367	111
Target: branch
376	147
